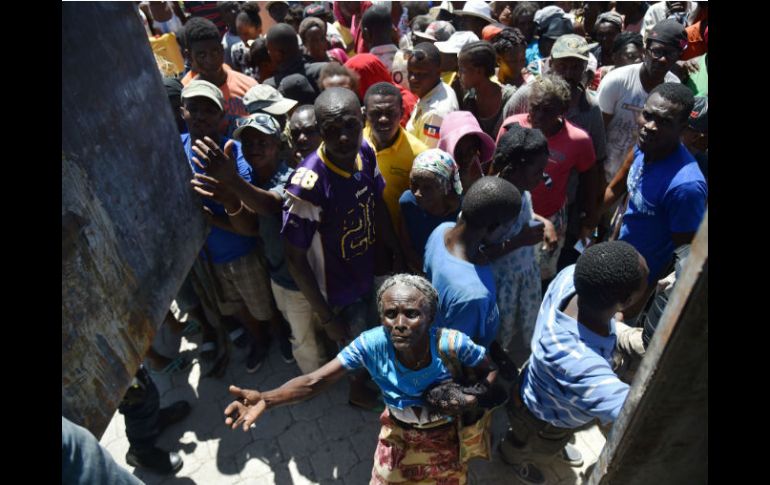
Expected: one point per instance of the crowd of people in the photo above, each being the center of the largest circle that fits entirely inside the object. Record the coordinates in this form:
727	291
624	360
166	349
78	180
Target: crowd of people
459	206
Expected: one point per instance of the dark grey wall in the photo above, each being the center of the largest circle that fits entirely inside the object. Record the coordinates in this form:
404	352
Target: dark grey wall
131	227
661	435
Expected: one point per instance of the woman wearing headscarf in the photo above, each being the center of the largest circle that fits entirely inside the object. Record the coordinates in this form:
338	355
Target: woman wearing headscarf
433	198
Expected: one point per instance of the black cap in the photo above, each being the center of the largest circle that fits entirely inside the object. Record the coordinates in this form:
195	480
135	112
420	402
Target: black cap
297	87
555	27
669	32
173	88
316	10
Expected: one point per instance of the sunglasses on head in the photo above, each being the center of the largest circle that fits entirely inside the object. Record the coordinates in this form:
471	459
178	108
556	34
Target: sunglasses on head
260	118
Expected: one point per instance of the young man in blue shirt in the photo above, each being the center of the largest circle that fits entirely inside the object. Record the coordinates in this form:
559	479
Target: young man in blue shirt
666	189
569	380
243	292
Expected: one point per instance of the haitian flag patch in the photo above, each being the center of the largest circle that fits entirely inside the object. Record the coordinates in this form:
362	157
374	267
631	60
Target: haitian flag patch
431	131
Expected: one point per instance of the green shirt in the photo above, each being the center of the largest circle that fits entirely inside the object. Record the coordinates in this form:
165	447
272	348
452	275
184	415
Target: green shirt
699	81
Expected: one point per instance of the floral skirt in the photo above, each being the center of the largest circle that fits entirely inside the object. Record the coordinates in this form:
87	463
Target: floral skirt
417	456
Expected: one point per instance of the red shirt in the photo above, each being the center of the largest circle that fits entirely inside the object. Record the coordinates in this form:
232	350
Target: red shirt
569	147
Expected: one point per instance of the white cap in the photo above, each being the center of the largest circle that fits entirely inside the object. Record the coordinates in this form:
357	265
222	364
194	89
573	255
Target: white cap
456	42
476	8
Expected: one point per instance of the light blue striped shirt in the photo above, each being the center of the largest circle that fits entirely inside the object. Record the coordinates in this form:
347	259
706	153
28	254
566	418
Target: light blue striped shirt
570	380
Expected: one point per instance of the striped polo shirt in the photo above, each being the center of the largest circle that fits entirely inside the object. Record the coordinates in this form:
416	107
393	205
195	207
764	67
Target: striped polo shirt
570	381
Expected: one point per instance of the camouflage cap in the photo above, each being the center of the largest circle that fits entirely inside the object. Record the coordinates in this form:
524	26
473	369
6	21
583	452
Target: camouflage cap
571	45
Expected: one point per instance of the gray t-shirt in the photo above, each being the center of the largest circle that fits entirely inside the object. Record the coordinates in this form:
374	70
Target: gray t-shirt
491	125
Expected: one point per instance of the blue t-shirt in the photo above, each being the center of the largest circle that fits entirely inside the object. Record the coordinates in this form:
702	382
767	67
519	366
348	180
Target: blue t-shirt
665	197
402	387
467	299
419	223
223	246
570	380
270	231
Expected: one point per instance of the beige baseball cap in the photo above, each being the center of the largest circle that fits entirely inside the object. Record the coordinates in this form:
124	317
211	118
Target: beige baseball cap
199	87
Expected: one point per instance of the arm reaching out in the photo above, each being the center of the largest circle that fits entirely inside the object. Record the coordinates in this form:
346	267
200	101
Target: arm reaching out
250	404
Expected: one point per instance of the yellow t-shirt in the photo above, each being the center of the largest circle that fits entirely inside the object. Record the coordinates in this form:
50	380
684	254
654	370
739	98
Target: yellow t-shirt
448	77
395	163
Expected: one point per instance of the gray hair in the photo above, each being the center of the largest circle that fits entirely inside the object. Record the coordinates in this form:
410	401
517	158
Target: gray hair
414	281
550	87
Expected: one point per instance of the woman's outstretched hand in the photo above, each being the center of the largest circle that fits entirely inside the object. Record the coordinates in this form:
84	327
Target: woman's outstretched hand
246	409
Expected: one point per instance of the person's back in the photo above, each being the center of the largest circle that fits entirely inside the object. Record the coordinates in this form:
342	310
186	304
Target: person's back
520	158
377	32
456	265
466	291
209	11
569	381
567	360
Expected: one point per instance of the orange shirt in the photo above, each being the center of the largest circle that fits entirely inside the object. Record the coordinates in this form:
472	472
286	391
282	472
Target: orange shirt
696	44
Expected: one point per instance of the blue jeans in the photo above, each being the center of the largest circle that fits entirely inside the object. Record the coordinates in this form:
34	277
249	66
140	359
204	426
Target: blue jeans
85	461
141	409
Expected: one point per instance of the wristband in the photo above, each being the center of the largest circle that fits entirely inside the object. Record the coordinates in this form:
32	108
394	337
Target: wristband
236	212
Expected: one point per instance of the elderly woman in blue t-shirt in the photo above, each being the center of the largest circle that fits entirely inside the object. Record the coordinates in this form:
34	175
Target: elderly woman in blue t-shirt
408	359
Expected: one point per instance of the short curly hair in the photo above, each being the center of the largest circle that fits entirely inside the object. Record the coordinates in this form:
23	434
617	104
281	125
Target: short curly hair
332	69
310	22
549	88
417	282
607	274
199	29
625	38
678	94
489	201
